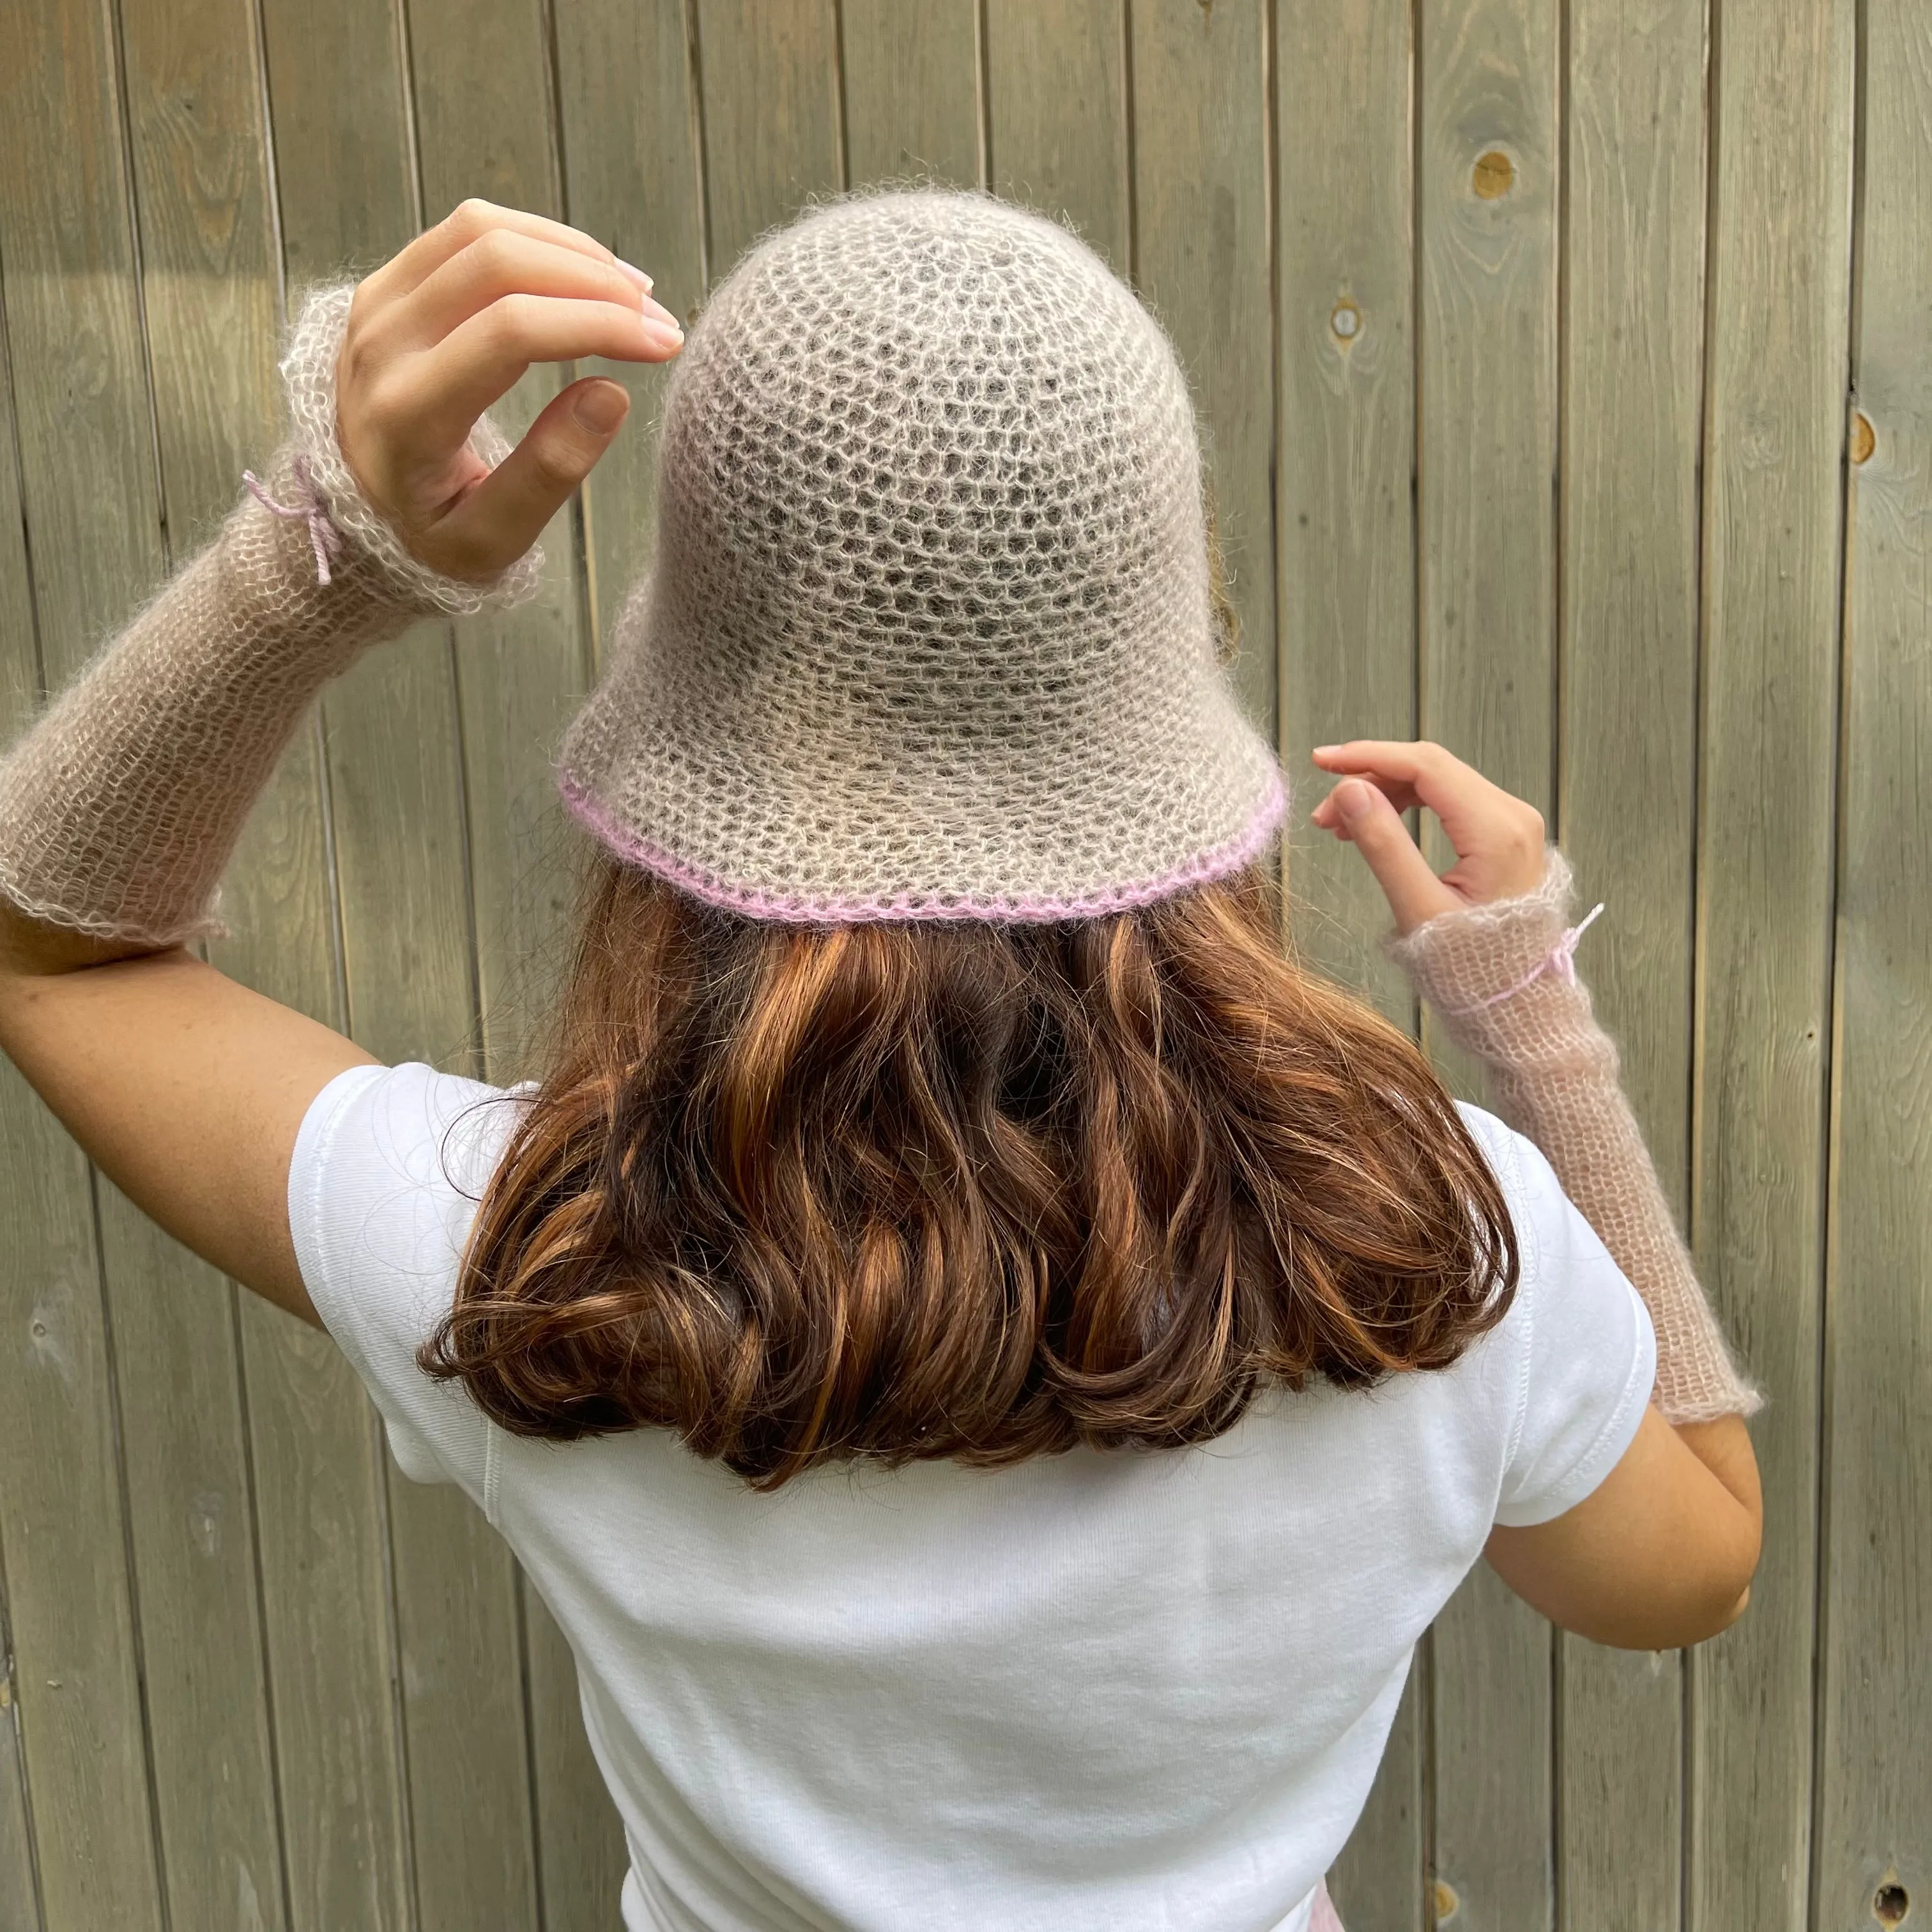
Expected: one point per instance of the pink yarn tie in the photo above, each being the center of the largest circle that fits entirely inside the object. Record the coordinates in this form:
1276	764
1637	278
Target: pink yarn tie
325	539
1561	959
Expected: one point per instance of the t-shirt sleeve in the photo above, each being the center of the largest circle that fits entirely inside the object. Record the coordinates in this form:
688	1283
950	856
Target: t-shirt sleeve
1585	1354
387	1168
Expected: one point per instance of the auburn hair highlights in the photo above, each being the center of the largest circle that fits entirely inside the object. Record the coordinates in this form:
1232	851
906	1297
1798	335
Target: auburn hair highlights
901	1191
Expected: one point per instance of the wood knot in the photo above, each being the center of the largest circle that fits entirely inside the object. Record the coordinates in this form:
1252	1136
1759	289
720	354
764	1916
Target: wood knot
1345	319
1865	438
1443	1904
1890	1904
1494	175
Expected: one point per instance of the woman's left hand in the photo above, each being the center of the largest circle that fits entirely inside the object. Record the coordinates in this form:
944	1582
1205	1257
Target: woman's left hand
1497	838
440	332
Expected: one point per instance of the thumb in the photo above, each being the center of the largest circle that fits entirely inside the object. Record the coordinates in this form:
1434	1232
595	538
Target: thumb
506	512
1376	828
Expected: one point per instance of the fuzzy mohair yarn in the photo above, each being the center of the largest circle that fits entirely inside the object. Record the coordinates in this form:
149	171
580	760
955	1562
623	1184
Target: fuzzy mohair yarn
928	632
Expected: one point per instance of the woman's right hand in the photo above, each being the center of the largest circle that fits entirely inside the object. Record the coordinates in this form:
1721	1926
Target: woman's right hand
1497	838
437	333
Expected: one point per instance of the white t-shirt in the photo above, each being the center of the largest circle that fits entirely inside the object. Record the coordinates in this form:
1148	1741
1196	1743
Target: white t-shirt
1092	1691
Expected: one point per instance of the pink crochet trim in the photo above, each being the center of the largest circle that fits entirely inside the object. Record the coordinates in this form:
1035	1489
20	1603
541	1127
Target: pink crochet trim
806	909
325	539
1561	959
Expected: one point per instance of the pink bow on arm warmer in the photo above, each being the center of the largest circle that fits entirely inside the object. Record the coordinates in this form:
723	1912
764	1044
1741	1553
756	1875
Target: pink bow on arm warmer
121	805
1500	979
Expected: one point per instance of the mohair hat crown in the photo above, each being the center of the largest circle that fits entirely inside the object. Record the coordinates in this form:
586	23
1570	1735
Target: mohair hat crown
928	632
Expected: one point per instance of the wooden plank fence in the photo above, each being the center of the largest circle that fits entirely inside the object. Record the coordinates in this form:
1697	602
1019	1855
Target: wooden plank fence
1566	369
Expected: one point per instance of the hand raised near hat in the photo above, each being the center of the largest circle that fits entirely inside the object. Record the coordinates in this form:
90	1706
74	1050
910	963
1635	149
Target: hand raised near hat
1498	838
440	331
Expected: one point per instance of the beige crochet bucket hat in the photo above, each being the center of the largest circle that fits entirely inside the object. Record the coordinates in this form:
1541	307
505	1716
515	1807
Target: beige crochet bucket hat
928	634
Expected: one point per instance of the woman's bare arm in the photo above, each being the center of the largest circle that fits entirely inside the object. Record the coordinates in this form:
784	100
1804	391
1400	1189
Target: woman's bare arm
1664	1552
119	807
1661	1553
185	1089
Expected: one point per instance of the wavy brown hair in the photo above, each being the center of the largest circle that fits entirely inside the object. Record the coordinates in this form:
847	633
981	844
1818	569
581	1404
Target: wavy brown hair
902	1191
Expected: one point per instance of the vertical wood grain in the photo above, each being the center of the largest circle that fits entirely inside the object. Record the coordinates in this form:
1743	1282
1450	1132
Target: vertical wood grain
773	136
1057	111
1773	503
1875	1752
212	282
627	89
392	726
321	1481
483	97
19	678
1489	193
20	1904
454	870
211	287
1345	444
1345	393
1201	186
1633	244
912	90
93	525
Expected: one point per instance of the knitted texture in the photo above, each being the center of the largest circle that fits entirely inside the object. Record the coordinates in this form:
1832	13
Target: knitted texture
1553	1075
928	632
308	366
121	806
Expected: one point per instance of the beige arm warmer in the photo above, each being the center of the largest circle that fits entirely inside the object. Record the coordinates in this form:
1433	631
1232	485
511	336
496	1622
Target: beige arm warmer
1553	1075
120	807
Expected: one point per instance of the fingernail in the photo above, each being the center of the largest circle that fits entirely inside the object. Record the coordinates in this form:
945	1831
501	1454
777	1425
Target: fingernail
657	312
1351	798
637	274
664	334
602	407
1322	751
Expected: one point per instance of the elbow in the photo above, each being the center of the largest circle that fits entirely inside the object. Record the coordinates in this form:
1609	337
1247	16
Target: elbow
1695	1619
1679	1627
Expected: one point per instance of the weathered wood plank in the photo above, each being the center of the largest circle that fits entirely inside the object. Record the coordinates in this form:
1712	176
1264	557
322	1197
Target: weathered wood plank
319	1473
78	1702
1487	429
315	1461
1345	396
1634	246
1201	186
19	678
212	297
1056	108
912	90
191	1531
1875	1753
20	1902
627	90
395	786
315	1470
772	138
86	473
318	1465
1775	416
520	674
